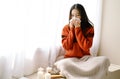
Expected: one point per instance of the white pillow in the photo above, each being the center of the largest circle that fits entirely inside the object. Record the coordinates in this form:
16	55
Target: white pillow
40	59
54	52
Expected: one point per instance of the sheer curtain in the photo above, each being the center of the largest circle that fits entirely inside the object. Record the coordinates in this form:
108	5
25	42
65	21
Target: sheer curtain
29	25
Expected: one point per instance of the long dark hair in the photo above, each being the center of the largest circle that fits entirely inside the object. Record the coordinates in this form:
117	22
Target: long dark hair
85	22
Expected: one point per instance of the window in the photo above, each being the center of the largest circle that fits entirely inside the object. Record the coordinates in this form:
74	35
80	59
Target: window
26	25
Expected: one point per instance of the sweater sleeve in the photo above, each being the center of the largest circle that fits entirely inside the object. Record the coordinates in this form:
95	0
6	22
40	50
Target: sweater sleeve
85	42
67	37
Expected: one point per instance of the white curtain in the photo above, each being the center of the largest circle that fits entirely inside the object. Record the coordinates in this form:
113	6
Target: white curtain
29	25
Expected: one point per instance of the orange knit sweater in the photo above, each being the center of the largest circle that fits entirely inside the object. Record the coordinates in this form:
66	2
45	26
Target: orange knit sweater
75	43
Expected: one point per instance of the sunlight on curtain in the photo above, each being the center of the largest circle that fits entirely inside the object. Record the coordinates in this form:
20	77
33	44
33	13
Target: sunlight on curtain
27	25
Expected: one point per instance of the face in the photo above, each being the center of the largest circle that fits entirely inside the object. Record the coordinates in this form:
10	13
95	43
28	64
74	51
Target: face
75	13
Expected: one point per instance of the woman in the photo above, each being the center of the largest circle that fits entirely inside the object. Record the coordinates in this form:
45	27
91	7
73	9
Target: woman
77	36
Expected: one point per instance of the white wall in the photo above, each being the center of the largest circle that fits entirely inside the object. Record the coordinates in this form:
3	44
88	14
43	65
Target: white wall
110	31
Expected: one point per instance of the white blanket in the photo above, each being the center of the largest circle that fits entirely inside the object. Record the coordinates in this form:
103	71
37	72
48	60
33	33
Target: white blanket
87	67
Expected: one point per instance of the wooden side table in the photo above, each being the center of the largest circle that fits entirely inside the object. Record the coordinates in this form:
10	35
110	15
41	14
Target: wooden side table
57	77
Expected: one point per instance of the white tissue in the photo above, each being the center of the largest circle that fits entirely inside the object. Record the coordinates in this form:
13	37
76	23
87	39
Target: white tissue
74	18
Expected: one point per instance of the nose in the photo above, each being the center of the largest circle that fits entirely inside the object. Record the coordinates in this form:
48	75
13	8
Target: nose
75	16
